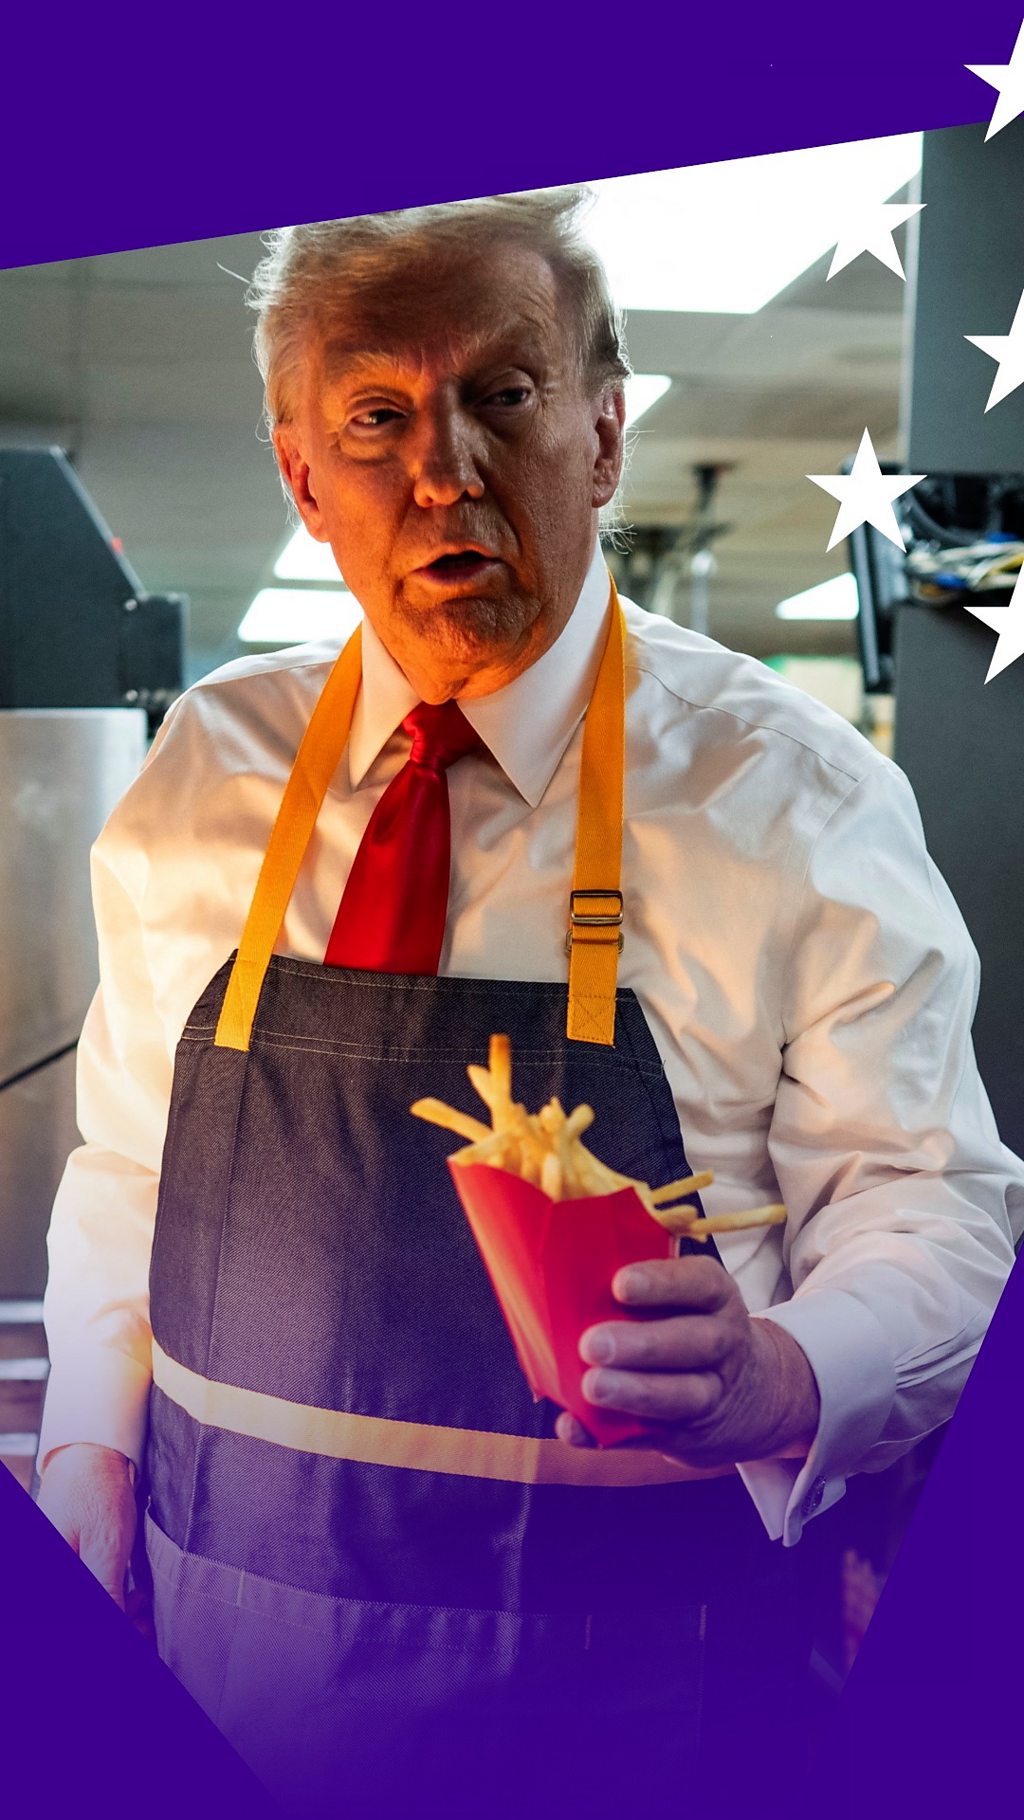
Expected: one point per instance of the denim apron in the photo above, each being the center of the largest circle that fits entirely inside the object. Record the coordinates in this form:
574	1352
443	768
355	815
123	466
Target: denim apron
386	1581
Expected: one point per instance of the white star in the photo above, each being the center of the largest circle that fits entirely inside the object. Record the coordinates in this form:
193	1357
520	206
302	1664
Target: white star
865	496
1008	351
1008	80
869	230
1008	621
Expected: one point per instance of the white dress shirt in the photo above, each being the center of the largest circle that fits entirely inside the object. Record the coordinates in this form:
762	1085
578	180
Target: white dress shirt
806	974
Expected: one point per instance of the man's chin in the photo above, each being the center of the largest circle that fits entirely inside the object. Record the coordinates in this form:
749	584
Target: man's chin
473	629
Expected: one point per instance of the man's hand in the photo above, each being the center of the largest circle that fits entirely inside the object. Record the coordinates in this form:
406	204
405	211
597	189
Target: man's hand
727	1387
86	1492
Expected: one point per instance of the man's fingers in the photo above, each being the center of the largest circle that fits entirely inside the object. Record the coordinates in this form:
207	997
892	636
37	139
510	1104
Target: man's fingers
568	1429
689	1342
698	1283
685	1396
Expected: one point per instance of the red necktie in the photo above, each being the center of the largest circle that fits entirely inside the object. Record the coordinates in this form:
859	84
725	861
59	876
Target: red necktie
393	909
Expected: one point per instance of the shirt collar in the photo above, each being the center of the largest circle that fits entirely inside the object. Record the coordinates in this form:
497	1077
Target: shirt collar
527	725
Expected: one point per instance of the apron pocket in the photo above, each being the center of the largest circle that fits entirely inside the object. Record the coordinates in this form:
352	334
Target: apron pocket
428	1708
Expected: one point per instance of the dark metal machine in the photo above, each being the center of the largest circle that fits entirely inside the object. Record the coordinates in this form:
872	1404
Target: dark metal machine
89	663
77	629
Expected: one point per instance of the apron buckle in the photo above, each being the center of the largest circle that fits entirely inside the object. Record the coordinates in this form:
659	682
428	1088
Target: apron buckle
589	919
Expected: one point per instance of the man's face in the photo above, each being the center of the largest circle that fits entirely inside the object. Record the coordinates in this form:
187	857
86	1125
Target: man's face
446	448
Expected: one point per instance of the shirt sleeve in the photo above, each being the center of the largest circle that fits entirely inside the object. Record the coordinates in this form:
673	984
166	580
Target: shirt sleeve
96	1304
902	1200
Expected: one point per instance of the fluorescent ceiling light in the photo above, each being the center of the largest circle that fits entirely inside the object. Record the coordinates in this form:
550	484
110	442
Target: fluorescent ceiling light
643	390
835	599
727	237
303	559
294	616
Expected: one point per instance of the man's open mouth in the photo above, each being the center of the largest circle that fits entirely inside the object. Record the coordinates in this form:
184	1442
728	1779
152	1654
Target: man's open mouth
457	563
458	559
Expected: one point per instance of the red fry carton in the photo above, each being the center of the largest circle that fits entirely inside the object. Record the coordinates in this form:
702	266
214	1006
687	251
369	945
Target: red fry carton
552	1264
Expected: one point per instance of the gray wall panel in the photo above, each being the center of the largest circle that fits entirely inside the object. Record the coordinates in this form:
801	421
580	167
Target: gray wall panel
961	743
970	275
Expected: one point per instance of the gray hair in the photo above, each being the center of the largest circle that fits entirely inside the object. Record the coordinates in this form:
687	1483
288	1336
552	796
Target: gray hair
295	287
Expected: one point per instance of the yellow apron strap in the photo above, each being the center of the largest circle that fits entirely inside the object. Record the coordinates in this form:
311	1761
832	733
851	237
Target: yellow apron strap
594	935
317	760
414	1446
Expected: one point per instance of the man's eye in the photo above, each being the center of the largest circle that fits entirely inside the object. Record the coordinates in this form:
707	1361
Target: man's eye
509	395
375	417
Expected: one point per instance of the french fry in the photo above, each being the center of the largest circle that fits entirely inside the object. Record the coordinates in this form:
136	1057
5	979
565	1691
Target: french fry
579	1121
437	1113
687	1184
499	1058
483	1080
552	1117
705	1229
678	1220
531	1139
545	1148
551	1176
491	1148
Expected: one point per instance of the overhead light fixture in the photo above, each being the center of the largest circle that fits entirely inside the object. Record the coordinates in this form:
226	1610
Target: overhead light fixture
303	559
725	238
296	616
835	599
643	390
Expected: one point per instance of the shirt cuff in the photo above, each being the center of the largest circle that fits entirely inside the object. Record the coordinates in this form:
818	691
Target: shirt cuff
106	1401
856	1378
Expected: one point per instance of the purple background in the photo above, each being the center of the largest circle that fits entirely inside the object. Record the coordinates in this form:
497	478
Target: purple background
173	127
162	127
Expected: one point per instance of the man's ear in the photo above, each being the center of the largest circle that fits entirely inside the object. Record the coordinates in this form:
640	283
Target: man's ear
295	472
610	429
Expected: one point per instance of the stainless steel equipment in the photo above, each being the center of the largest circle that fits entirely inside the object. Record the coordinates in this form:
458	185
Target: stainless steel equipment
61	772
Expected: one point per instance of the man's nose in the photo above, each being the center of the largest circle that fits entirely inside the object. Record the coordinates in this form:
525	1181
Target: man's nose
445	459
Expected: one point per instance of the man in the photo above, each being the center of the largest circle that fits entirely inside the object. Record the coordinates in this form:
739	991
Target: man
373	1563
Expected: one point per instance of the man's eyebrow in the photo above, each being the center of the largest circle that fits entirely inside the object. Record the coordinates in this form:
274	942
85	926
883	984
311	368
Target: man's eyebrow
342	360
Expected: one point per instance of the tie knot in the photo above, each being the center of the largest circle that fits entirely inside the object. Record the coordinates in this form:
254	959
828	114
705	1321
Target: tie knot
440	734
